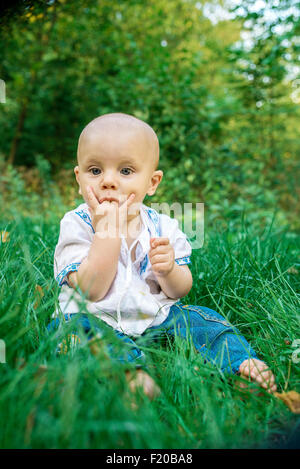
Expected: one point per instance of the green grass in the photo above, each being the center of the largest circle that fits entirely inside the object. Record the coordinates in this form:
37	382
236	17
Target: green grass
83	401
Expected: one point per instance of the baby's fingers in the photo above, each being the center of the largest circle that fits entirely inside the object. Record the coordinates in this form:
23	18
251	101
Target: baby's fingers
159	242
129	201
126	204
92	200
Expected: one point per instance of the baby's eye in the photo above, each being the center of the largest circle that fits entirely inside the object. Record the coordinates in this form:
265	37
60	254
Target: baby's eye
126	171
95	171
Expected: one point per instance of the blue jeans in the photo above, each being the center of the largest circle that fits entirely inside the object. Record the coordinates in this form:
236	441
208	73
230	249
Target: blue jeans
213	337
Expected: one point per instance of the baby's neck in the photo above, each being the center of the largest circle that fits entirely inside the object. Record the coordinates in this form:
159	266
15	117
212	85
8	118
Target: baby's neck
134	227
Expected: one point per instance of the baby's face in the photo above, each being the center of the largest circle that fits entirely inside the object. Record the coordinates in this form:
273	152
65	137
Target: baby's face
116	163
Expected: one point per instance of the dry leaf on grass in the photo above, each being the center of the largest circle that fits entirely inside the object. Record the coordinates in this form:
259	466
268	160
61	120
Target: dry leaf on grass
38	293
293	270
4	236
291	399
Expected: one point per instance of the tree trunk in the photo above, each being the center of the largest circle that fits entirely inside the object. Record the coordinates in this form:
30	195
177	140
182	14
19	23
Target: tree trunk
24	103
19	130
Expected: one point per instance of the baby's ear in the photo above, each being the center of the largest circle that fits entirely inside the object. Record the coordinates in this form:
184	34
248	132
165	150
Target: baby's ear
155	180
76	172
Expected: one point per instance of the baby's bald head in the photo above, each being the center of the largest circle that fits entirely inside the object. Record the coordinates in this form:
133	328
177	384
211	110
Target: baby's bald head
118	154
115	127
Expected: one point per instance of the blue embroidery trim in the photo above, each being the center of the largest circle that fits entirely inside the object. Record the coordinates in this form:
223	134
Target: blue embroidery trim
70	268
183	260
85	217
144	264
153	215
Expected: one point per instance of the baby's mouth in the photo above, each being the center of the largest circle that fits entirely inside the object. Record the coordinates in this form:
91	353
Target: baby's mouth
108	199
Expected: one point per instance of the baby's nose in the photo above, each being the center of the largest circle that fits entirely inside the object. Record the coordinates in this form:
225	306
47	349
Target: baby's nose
108	181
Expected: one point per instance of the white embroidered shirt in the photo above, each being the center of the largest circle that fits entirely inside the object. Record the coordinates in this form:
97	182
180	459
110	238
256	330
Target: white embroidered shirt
135	300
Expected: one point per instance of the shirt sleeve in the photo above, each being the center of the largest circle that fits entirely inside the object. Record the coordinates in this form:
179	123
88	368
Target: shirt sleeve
74	242
178	239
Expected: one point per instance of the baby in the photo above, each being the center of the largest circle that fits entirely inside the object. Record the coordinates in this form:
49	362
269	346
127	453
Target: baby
131	263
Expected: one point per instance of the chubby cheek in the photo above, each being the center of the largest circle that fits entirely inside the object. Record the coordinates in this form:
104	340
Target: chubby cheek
81	188
138	189
83	191
80	184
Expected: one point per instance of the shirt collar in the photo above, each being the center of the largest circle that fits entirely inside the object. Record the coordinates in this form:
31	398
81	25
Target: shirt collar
143	239
148	230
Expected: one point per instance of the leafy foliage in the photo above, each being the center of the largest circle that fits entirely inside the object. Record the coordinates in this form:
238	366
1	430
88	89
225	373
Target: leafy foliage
223	112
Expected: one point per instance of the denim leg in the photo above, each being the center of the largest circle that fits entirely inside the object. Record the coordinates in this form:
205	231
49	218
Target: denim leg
216	339
125	351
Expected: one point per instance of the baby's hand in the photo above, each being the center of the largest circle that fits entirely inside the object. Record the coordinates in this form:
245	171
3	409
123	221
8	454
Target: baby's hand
108	218
161	256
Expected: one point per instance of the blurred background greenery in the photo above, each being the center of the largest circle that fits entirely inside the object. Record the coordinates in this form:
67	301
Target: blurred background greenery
218	81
